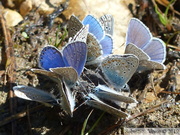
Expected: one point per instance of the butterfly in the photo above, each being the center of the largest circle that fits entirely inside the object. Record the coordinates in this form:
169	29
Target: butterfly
101	97
118	69
99	43
94	101
65	66
66	101
52	63
67	63
151	51
34	94
105	93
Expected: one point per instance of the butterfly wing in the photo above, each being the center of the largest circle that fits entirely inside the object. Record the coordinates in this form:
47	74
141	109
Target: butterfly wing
68	73
97	103
118	69
33	94
107	22
107	45
74	25
81	35
106	93
149	65
50	57
132	49
137	33
94	26
94	48
156	50
67	99
75	54
46	73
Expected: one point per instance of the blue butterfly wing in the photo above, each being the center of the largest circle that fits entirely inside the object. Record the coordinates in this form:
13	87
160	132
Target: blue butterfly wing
75	55
94	26
50	57
118	69
156	50
137	33
33	94
107	45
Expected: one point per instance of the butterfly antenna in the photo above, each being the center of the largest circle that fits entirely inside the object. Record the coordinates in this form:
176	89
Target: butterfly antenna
100	76
80	105
97	69
84	96
83	88
88	77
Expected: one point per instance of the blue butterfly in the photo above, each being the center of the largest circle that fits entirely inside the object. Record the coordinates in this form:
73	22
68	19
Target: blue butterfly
94	101
151	51
101	96
73	55
105	93
99	43
66	101
68	63
34	94
118	69
65	66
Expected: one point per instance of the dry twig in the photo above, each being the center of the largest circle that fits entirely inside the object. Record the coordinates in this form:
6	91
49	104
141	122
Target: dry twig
10	66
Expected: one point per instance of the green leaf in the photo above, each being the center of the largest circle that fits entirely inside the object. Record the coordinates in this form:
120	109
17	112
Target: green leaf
25	35
85	123
95	124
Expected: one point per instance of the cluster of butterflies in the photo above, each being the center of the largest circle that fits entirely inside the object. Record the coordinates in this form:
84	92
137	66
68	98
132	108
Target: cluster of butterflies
91	43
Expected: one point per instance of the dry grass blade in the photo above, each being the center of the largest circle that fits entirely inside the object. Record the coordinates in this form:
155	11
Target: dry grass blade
10	67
